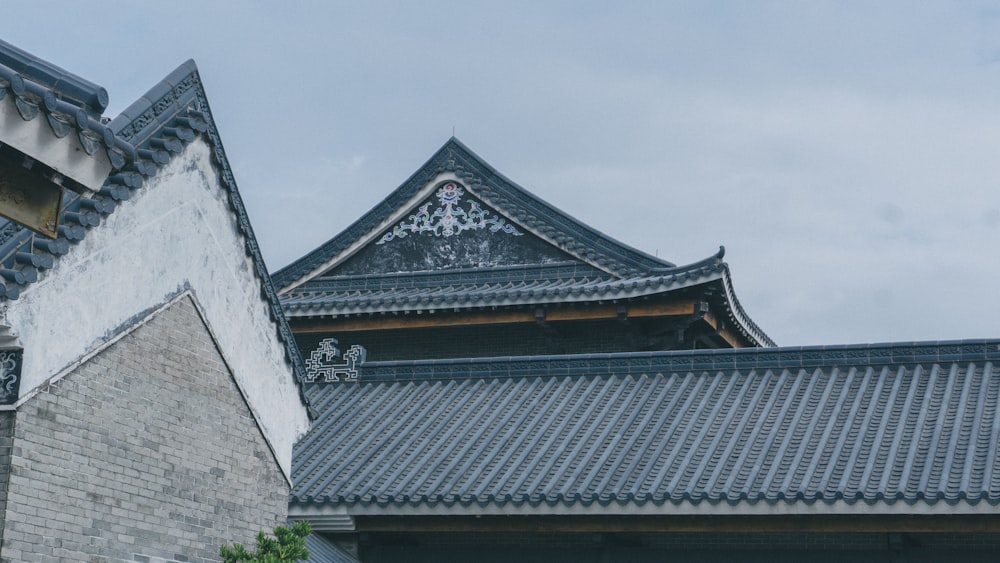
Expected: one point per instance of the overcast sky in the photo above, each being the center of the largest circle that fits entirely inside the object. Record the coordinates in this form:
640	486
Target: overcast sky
847	154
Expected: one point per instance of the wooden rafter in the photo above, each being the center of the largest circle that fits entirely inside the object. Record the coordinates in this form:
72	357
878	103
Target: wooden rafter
470	318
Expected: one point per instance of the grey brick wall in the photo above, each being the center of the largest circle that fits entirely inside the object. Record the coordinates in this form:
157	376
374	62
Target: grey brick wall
147	452
6	441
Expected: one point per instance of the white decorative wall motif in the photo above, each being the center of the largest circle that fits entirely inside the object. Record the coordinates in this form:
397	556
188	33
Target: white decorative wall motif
322	362
10	376
450	219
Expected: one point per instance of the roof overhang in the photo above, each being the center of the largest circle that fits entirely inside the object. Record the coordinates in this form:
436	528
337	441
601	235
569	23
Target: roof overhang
65	156
51	137
326	307
682	310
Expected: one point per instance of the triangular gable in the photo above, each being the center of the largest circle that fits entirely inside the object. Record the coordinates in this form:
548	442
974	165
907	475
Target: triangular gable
456	211
143	138
451	229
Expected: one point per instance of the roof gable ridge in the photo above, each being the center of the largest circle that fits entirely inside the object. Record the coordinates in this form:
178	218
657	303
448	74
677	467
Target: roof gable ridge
636	364
518	206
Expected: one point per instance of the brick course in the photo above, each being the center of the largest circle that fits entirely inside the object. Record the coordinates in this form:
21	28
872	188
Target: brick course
146	452
6	441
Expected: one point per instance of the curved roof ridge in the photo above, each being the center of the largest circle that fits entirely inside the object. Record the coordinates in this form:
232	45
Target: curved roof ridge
713	260
638	256
739	314
513	201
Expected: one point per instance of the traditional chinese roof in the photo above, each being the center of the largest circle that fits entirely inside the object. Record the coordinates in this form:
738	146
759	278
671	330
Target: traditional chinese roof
508	287
143	138
513	204
908	428
458	235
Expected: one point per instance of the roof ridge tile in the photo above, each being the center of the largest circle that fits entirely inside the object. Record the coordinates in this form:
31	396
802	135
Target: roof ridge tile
709	360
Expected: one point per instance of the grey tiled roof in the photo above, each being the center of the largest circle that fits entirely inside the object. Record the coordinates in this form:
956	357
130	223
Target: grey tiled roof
513	201
373	294
505	287
602	268
886	424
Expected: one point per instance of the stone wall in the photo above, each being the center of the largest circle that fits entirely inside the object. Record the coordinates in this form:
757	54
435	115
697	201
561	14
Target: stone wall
177	232
6	442
145	452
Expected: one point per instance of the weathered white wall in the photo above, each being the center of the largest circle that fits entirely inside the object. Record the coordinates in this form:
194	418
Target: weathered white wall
176	232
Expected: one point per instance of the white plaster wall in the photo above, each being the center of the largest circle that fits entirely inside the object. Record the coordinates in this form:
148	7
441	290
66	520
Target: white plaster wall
177	231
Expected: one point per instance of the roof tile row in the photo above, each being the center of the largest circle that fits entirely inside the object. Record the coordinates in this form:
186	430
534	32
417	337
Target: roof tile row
853	430
310	299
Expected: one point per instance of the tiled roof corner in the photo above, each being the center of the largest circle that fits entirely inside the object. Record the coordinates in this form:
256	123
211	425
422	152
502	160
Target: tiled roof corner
472	288
736	312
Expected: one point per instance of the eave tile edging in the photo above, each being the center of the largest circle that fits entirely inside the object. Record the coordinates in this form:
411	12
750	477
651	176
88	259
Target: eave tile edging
33	99
641	363
504	294
739	316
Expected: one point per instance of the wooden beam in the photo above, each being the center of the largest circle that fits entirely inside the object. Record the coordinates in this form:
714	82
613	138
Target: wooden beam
731	337
592	312
446	318
981	523
412	320
29	198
